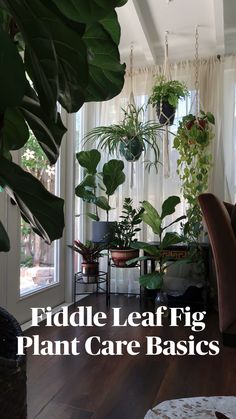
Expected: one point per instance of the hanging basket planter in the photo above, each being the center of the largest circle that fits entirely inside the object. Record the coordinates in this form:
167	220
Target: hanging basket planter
165	113
131	148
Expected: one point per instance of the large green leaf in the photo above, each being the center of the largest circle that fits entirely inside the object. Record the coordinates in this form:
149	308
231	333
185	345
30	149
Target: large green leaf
89	160
113	175
15	130
151	217
48	133
12	74
111	25
87	10
168	206
102	202
85	189
39	207
40	56
151	281
170	239
4	239
106	74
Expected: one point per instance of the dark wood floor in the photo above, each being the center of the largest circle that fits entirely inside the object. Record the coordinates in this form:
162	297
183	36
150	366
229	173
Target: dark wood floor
84	387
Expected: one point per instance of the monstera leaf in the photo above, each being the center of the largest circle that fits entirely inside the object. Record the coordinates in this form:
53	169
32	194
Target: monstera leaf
4	239
71	56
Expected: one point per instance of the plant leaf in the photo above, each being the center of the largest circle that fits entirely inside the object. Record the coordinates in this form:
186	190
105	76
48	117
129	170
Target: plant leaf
48	133
106	74
170	239
42	210
152	280
113	175
12	74
40	56
151	217
102	202
89	160
15	130
4	239
168	206
87	10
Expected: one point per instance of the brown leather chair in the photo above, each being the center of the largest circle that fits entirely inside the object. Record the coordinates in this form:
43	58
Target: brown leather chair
220	220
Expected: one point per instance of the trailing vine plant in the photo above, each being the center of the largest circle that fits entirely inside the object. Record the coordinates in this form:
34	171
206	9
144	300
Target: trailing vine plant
193	165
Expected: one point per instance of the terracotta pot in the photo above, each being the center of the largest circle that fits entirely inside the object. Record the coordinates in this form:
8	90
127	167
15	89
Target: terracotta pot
120	257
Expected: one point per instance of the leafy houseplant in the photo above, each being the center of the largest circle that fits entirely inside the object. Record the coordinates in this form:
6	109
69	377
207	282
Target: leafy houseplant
107	180
165	96
124	234
90	253
193	166
151	217
130	137
61	44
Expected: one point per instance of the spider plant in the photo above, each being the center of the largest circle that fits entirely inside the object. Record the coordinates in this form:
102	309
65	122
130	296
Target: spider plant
130	137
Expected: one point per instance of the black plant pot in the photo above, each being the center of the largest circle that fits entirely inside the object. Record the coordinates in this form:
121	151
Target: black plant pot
12	370
131	148
165	113
103	231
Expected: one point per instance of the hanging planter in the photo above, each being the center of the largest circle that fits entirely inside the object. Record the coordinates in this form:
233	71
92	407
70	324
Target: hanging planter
131	148
165	113
165	96
131	137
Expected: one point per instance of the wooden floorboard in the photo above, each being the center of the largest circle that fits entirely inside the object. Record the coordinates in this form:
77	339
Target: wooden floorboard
125	387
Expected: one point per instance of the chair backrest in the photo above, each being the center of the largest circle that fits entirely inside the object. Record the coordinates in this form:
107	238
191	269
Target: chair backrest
223	242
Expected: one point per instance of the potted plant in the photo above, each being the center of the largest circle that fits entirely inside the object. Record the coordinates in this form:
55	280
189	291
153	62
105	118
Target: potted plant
90	253
165	96
150	216
124	235
107	180
193	165
130	137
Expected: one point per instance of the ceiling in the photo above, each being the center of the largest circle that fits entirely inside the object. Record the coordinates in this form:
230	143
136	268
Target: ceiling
145	23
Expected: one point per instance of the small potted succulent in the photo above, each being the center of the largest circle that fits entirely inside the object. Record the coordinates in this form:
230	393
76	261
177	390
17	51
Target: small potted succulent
165	96
90	253
130	137
124	235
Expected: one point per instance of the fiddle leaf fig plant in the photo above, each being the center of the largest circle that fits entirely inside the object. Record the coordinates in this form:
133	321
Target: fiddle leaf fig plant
155	220
57	51
107	180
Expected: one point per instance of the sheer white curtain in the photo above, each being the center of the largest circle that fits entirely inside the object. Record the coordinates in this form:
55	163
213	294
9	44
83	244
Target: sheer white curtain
153	186
229	127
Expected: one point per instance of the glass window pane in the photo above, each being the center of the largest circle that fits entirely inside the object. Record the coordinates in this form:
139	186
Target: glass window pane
37	263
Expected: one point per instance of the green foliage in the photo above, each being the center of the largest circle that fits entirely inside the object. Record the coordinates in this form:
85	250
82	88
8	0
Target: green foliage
89	251
167	91
4	239
70	53
108	180
193	166
126	230
129	137
152	218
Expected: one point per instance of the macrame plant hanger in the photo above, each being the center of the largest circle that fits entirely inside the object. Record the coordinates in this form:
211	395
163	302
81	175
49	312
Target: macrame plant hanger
167	74
196	100
131	102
